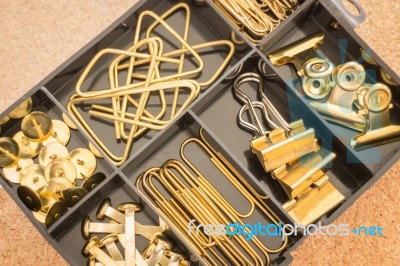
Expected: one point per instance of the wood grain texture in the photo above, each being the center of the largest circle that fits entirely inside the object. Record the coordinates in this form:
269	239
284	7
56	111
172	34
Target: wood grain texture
37	36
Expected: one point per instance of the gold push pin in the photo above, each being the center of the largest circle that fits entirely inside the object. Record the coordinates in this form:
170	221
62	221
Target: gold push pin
72	196
4	120
28	149
12	173
58	184
33	177
40	216
93	181
60	133
95	151
9	152
36	126
51	152
48	199
55	212
69	122
84	162
61	168
22	110
30	198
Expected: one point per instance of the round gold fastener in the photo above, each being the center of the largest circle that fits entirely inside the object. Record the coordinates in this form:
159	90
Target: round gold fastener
22	110
13	173
9	152
33	177
36	126
28	149
60	133
51	152
84	162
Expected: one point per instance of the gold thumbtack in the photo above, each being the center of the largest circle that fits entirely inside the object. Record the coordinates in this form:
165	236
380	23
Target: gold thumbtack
58	185
61	167
95	151
9	152
59	133
69	122
55	212
28	149
22	110
30	198
51	152
36	126
84	162
71	196
93	181
33	177
13	173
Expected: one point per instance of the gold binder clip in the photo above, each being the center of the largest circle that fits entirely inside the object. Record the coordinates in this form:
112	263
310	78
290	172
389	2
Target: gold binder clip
320	78
379	129
339	108
298	53
286	142
311	193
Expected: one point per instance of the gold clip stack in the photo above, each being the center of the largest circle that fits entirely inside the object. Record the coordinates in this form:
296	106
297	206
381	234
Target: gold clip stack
292	155
146	54
352	102
191	196
255	18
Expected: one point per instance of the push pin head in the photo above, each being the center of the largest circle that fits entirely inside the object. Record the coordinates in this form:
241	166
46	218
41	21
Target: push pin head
84	162
48	200
33	177
95	151
93	181
61	168
9	152
40	216
68	122
72	196
59	133
4	120
55	212
30	198
28	149
51	152
58	184
22	110
13	173
36	126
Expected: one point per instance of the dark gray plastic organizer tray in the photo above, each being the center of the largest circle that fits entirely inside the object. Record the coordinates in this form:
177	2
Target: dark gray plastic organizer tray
216	110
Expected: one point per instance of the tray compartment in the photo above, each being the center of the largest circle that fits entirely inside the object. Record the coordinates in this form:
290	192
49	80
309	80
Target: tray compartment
340	46
220	115
41	102
168	146
201	30
69	238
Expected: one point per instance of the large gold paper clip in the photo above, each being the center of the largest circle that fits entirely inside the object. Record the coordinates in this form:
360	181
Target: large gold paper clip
311	193
376	100
140	66
285	142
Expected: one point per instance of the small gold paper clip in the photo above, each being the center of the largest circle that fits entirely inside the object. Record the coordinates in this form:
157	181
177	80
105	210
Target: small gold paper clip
379	129
286	142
